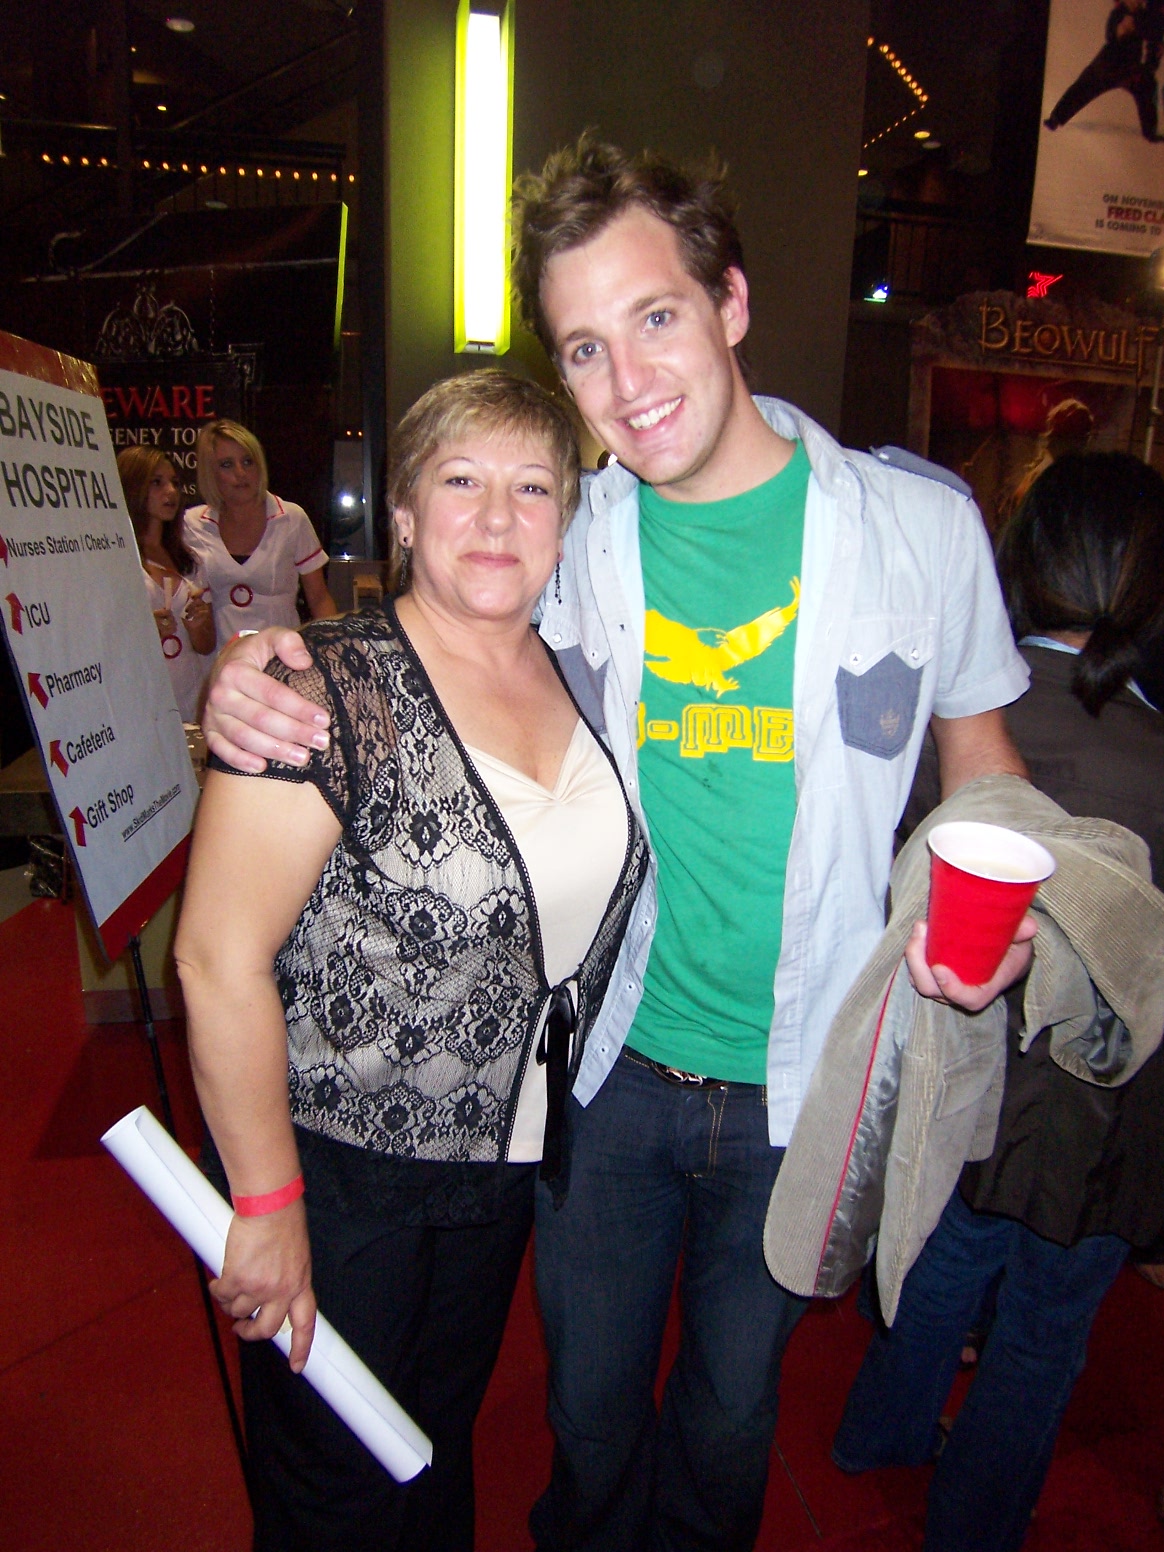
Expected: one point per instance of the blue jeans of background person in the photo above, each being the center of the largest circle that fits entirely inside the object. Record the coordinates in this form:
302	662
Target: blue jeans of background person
655	1170
991	1470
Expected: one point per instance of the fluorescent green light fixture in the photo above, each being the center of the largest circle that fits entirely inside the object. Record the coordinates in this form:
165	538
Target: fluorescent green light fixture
484	171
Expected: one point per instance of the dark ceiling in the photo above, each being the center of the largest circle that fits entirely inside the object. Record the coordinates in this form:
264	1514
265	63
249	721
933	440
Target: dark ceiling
277	79
83	81
58	60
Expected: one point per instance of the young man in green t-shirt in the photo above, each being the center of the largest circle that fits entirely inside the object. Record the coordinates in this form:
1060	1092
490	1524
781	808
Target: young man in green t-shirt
762	625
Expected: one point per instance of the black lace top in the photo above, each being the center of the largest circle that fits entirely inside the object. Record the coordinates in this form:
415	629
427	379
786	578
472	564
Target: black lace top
413	981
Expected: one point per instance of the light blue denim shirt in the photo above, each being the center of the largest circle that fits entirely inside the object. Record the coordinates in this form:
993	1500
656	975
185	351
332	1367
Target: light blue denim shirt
900	617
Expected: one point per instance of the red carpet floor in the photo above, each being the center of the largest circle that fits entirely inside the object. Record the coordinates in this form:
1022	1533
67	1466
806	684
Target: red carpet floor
113	1431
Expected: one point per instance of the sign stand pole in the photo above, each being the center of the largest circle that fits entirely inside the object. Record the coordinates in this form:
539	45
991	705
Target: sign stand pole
143	992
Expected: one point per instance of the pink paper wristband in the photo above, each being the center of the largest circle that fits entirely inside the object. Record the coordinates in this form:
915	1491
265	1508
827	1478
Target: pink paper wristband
270	1201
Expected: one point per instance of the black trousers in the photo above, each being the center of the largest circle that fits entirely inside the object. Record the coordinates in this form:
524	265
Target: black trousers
1105	75
425	1308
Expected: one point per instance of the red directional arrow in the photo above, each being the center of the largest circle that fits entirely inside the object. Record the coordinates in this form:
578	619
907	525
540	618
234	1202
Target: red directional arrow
57	758
37	688
78	819
17	609
3	550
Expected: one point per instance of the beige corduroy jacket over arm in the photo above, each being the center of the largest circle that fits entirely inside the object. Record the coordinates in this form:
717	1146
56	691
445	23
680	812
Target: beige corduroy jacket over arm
908	1089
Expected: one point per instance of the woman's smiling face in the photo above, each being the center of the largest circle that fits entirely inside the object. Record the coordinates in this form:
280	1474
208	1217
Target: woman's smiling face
484	526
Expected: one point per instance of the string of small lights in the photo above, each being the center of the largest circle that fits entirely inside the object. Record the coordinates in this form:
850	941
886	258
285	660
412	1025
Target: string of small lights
908	81
202	169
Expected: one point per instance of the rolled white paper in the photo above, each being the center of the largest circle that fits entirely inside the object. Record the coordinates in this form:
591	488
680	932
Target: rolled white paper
183	1195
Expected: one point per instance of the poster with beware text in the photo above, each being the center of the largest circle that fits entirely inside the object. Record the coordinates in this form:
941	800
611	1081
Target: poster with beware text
1099	182
164	403
84	644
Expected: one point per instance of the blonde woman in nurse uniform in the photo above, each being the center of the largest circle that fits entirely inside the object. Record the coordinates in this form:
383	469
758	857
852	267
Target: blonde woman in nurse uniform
256	549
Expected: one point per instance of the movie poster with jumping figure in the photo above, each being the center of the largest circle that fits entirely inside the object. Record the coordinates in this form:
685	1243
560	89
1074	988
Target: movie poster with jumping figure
1099	182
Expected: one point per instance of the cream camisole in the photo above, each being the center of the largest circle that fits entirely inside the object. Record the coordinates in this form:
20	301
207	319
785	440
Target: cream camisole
573	840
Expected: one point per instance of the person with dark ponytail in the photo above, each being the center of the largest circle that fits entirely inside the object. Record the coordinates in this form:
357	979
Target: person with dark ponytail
1075	1181
1082	569
174	578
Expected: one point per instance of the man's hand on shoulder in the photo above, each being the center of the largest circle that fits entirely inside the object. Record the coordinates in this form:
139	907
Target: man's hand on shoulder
943	985
251	718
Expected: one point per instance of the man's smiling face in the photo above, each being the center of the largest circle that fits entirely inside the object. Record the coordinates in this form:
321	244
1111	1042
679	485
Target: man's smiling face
647	353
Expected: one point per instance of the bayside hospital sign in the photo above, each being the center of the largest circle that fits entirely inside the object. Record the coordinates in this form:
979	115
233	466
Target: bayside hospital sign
84	645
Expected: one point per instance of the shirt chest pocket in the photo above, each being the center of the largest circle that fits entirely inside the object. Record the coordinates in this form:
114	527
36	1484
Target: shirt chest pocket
879	681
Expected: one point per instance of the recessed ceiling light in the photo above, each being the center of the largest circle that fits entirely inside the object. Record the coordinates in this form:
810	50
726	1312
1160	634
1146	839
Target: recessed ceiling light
179	24
921	134
862	172
162	108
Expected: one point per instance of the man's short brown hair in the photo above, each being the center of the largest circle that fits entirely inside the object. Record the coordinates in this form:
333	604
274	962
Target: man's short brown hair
583	187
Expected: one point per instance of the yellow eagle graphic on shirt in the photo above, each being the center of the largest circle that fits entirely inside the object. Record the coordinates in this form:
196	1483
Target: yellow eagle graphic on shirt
703	655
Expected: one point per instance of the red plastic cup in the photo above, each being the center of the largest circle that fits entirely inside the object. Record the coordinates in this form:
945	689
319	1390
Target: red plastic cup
982	879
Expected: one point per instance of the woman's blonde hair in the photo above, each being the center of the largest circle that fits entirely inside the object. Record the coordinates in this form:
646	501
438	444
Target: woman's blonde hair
231	431
486	402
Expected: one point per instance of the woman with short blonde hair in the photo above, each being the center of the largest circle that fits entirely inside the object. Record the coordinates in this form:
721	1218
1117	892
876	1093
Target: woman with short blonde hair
392	959
257	550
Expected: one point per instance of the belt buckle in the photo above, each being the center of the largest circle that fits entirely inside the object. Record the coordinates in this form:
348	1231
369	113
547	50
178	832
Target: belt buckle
676	1075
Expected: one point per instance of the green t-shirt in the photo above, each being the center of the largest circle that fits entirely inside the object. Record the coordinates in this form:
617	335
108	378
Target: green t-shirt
722	586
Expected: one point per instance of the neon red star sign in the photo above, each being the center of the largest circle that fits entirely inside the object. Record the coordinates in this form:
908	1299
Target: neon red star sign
1040	284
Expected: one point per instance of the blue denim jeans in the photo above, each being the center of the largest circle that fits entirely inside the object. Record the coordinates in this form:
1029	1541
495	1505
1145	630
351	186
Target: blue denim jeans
991	1470
658	1170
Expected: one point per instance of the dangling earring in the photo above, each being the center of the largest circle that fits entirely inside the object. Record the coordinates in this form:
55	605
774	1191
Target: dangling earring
405	566
558	582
